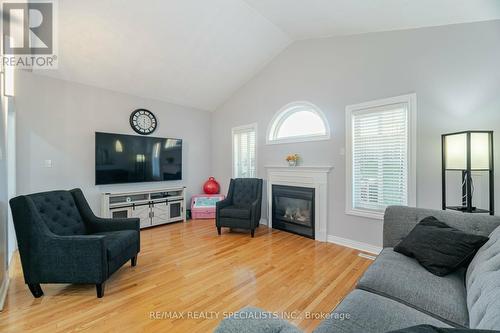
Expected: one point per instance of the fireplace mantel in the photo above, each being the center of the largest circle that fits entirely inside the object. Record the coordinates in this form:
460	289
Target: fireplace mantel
304	176
303	168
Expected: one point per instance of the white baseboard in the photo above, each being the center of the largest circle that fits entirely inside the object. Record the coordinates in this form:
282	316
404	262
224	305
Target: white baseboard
263	221
354	244
3	289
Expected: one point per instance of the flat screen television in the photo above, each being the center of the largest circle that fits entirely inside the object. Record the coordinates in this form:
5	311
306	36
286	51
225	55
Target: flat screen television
121	158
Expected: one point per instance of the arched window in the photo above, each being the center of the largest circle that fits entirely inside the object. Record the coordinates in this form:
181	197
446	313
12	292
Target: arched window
298	122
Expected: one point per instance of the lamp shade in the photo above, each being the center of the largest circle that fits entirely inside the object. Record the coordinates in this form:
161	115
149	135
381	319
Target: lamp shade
456	150
480	151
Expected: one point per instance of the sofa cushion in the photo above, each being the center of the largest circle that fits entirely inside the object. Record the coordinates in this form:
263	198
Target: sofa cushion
362	311
483	285
118	242
399	221
59	212
254	320
432	329
235	212
402	279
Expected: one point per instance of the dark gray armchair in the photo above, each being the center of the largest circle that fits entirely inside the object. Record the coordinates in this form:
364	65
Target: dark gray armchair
242	207
61	241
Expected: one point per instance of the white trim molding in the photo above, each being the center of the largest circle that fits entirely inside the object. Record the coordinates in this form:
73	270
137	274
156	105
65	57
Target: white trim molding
287	111
365	247
411	101
315	177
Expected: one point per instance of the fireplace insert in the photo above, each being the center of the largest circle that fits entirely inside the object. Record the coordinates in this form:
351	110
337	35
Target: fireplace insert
293	209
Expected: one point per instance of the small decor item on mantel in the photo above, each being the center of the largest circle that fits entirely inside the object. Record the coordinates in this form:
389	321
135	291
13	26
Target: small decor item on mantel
211	186
292	159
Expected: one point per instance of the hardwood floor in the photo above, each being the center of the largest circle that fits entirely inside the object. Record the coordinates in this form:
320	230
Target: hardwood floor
185	269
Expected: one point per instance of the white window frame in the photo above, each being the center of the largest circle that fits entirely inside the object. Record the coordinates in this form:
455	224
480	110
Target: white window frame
233	132
288	110
411	101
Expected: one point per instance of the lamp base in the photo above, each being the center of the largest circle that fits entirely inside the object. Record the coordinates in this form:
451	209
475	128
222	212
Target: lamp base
464	209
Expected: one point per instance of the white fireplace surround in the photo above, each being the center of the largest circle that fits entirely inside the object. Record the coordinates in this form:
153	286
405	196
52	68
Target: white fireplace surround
315	177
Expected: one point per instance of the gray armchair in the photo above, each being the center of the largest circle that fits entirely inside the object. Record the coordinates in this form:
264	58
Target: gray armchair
242	207
61	241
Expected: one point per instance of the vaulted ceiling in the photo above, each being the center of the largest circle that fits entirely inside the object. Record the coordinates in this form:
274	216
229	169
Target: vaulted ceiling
303	19
198	52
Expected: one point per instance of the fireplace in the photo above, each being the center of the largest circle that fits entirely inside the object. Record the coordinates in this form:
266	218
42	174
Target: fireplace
293	209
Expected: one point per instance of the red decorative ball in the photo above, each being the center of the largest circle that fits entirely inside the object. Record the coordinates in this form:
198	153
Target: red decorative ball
211	186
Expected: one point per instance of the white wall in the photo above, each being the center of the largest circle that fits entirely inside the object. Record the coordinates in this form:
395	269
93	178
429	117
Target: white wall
56	120
4	206
11	173
454	70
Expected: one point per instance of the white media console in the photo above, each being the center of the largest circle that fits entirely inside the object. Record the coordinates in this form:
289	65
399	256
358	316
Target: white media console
154	207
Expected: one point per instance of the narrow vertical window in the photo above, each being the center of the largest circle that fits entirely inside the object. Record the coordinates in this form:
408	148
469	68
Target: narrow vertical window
244	151
380	155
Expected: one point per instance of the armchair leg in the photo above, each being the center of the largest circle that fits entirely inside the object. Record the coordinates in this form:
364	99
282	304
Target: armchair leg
100	290
133	261
252	232
219	230
35	289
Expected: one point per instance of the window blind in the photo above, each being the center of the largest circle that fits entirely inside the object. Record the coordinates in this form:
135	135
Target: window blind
244	152
380	139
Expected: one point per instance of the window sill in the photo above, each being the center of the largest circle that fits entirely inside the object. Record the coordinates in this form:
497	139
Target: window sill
365	214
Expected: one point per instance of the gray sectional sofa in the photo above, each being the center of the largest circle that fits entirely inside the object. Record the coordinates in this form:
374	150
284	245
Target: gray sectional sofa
396	292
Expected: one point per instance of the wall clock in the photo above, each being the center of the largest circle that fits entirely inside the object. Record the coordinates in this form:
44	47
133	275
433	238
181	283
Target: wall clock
143	121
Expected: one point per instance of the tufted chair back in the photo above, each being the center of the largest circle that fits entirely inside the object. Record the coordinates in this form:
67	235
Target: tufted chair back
246	191
483	286
59	212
